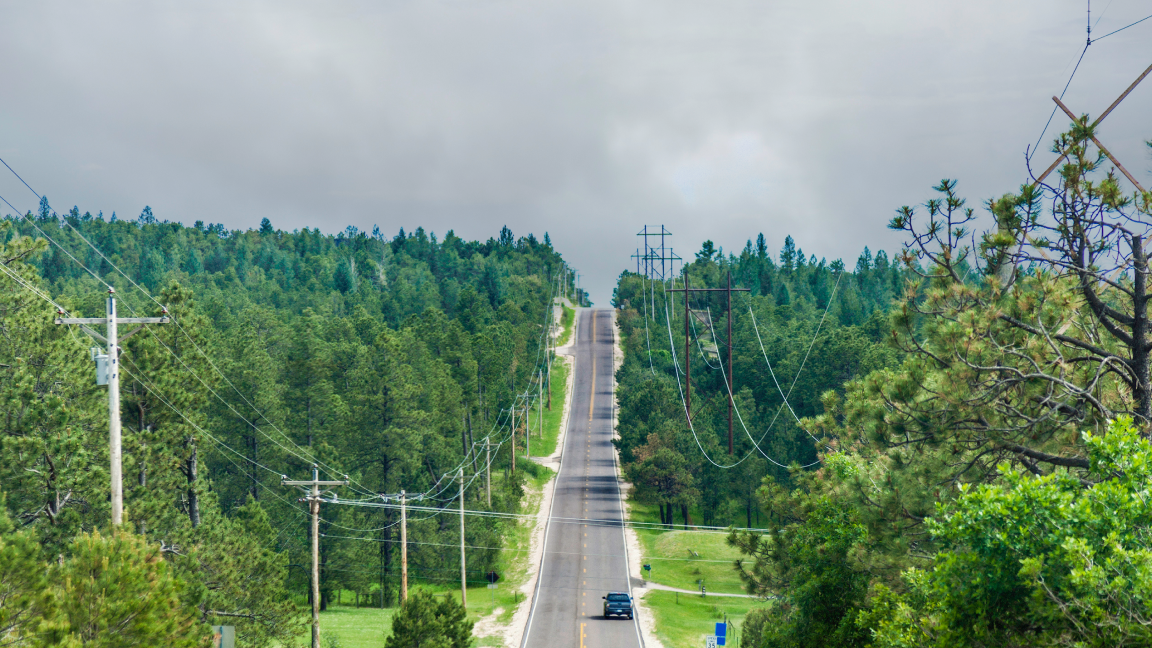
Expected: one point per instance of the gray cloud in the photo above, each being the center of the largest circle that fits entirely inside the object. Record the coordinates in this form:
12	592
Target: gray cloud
583	119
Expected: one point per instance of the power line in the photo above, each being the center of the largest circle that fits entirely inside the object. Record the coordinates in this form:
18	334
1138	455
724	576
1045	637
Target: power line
683	402
251	424
806	353
756	444
1122	28
303	454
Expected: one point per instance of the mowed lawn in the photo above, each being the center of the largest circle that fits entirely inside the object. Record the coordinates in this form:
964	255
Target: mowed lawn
363	627
684	620
683	558
352	627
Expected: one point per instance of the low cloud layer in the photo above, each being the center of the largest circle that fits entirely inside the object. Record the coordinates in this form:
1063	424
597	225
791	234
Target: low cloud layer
583	119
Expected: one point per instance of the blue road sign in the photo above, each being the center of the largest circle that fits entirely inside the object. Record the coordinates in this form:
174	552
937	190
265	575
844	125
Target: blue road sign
721	633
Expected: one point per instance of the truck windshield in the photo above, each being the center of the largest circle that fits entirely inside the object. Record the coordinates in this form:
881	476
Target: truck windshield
617	598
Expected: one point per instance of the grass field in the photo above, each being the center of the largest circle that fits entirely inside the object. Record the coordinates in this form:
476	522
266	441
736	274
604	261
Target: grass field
682	621
352	627
682	558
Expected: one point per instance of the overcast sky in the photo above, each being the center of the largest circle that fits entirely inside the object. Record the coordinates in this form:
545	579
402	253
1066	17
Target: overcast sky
583	118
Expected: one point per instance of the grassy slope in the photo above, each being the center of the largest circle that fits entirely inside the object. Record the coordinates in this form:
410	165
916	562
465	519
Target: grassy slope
673	564
684	620
567	318
546	446
351	627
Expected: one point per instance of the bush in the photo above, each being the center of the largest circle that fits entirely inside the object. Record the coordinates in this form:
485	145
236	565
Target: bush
424	622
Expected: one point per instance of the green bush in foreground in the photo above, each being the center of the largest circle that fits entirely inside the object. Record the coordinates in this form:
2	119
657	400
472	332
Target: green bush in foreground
118	591
1050	561
424	622
109	591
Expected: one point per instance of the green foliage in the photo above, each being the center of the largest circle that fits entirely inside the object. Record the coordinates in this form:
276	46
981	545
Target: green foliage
119	591
1039	561
425	622
389	359
755	623
851	343
113	590
27	604
808	560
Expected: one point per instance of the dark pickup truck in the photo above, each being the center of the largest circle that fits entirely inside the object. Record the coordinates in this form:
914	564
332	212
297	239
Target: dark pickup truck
617	604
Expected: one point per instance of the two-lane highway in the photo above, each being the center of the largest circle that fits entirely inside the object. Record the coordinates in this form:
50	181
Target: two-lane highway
584	547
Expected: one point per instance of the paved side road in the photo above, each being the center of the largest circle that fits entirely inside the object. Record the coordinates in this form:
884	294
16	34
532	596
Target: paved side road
584	549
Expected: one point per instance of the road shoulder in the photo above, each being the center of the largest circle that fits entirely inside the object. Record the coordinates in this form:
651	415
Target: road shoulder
643	613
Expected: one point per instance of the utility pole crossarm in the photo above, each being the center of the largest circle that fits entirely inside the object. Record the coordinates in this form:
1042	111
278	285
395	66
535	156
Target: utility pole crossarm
1101	147
289	482
119	320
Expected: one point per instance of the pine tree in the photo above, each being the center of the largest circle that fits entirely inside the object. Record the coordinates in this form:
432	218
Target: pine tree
117	591
424	622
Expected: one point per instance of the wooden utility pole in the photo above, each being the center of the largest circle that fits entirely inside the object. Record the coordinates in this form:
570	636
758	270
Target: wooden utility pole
463	572
540	406
108	372
488	469
403	550
513	437
688	350
313	498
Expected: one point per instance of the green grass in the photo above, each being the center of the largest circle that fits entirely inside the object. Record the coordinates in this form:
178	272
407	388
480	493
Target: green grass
546	446
684	620
353	627
567	318
673	563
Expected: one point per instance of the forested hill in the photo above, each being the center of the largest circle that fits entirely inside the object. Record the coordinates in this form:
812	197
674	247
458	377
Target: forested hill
386	359
805	327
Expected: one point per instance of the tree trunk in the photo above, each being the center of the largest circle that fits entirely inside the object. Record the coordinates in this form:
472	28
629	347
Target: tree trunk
464	438
684	514
254	487
191	471
1140	348
471	440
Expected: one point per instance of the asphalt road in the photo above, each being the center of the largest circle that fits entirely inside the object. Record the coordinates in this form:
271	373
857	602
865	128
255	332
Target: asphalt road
584	547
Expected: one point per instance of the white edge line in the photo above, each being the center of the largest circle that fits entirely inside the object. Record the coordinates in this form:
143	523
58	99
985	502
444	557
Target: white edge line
552	500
